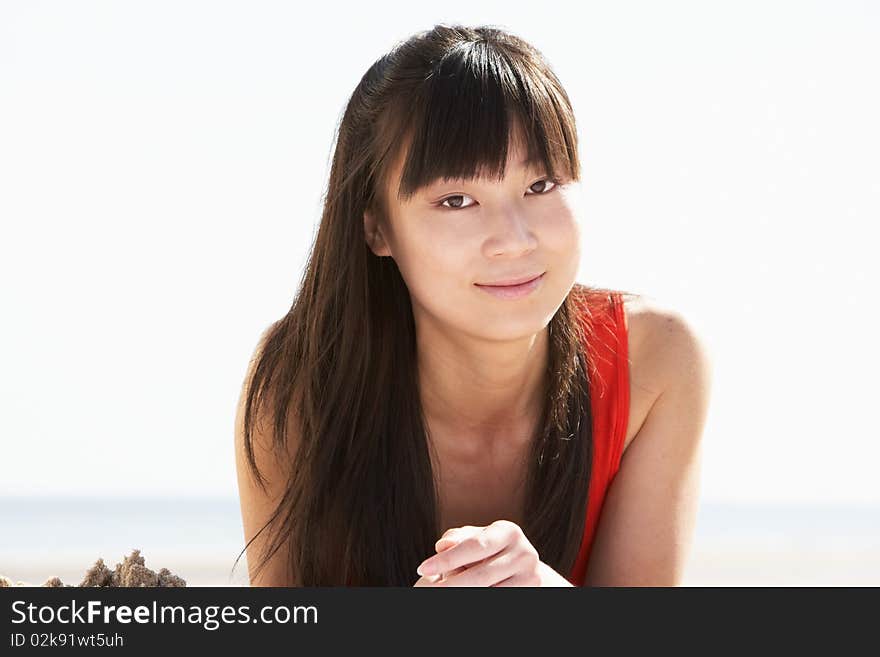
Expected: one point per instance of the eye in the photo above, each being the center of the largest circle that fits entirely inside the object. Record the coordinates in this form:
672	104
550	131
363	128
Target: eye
451	198
552	181
457	205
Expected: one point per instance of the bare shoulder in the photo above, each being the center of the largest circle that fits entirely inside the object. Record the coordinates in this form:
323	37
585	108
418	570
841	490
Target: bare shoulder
662	339
665	350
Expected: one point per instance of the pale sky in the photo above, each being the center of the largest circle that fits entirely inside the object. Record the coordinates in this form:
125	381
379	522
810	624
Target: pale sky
162	163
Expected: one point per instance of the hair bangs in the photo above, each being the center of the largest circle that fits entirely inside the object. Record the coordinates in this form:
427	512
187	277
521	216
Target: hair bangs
475	105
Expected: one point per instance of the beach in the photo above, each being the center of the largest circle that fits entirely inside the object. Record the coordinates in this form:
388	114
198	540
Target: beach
198	539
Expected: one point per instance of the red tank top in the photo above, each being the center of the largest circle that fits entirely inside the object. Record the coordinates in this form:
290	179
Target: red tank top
608	362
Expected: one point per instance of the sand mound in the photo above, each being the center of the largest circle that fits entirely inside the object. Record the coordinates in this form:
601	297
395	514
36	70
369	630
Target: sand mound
131	572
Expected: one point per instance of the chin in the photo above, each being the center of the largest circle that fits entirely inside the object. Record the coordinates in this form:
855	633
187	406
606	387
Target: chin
500	323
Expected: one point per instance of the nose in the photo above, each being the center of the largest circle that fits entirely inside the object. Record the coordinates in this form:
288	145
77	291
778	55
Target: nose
509	233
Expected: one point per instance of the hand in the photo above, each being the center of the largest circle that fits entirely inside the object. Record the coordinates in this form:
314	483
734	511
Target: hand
496	555
428	580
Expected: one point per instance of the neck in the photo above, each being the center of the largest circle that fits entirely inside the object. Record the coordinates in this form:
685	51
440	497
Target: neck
483	393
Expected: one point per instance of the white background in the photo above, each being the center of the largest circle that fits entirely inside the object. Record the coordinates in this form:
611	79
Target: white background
161	173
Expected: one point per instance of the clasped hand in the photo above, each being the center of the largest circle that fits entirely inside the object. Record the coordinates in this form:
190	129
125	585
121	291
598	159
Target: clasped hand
495	555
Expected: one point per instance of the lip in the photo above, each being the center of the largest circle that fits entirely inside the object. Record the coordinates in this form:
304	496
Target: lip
513	291
511	282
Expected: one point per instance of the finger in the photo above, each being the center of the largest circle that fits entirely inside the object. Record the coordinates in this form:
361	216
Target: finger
450	573
468	550
450	538
453	535
446	574
518	580
427	580
466	529
480	545
445	544
488	572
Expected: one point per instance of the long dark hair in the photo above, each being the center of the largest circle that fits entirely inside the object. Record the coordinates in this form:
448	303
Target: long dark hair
360	503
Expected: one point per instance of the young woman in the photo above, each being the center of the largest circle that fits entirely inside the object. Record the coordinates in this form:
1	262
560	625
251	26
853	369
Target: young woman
444	405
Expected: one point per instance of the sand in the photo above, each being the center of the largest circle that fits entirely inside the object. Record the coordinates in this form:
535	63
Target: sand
131	572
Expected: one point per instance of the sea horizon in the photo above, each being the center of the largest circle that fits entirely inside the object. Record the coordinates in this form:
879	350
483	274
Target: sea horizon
200	537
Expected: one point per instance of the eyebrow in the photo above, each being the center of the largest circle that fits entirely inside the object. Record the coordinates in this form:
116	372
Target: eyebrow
522	164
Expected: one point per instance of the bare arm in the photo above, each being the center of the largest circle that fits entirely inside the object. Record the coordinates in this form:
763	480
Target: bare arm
647	522
257	505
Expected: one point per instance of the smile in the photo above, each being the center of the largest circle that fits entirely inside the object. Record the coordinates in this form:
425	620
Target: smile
513	291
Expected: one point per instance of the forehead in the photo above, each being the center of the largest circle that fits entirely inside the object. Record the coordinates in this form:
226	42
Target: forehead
517	160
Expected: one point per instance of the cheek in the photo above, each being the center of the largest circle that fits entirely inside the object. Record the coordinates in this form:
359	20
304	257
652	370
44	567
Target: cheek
432	263
561	236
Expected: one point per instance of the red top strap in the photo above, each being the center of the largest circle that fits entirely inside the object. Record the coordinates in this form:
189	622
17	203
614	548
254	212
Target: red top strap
608	361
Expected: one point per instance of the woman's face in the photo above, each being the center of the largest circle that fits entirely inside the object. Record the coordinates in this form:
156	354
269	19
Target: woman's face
453	235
